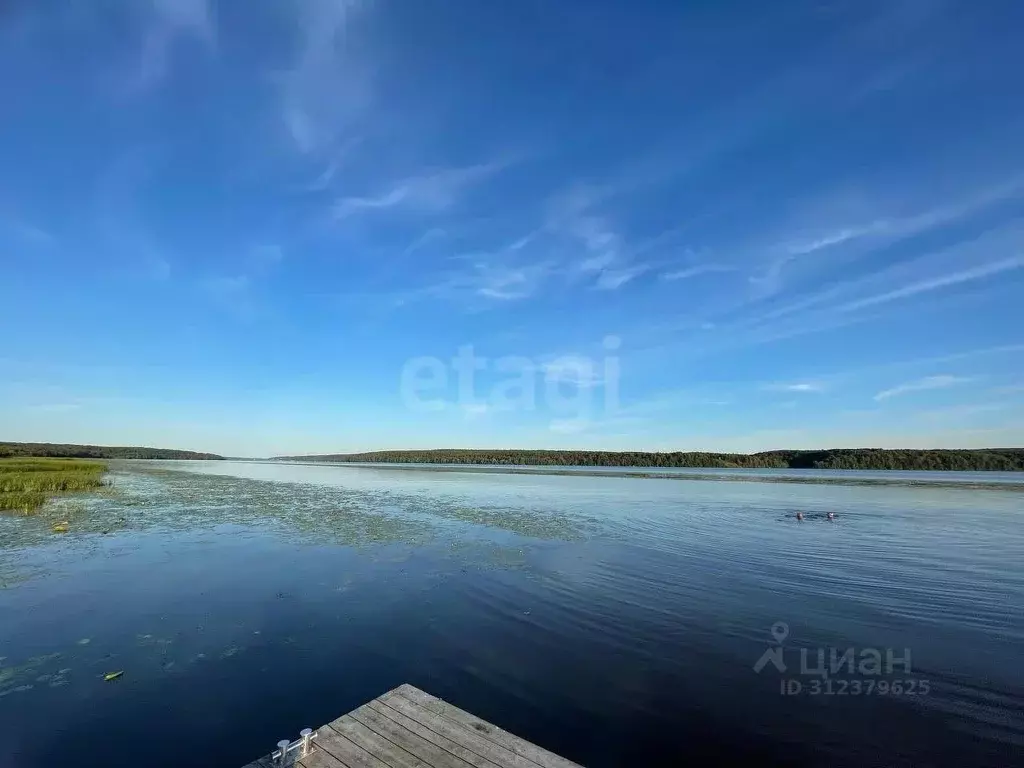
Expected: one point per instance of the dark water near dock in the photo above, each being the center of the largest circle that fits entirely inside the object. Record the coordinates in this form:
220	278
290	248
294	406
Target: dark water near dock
614	620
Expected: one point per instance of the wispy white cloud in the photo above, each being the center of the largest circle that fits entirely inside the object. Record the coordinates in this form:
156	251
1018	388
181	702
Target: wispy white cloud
949	213
835	238
882	225
505	284
695	271
598	261
237	292
430	236
964	355
328	88
613	279
522	242
477	280
770	280
896	227
935	283
607	262
334	164
800	386
349	205
169	22
571	214
430	192
482	281
819	309
921	385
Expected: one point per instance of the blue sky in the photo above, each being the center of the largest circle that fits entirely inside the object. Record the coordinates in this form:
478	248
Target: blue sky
238	227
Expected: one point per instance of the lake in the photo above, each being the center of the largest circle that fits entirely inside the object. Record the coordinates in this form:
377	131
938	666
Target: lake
615	620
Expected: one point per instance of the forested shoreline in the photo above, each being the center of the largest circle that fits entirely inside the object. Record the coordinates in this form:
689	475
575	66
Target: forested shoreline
71	451
987	459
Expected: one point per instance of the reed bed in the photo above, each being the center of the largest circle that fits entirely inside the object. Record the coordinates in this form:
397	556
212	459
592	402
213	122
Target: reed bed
26	483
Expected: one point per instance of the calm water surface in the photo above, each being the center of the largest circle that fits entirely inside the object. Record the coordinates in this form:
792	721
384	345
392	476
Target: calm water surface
615	620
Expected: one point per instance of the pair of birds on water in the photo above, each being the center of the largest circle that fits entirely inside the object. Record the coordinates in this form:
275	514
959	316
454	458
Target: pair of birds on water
830	516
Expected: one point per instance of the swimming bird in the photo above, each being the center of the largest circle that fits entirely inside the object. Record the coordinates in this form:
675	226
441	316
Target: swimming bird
831	515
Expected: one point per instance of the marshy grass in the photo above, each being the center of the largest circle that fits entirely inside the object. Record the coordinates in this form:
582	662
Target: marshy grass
26	483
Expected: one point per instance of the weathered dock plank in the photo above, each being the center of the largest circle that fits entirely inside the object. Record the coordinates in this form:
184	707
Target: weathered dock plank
379	746
403	738
342	750
471	740
448	712
477	758
408	728
323	759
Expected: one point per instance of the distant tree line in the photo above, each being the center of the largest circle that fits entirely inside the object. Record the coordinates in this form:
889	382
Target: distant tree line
97	451
985	459
994	459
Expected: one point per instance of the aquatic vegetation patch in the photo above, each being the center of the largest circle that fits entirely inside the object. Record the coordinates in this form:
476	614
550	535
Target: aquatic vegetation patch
18	678
26	484
148	498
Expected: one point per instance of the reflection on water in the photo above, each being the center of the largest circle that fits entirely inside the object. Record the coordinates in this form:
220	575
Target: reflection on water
615	620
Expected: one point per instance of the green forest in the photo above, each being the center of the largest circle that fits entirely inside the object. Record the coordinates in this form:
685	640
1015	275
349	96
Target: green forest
988	459
61	450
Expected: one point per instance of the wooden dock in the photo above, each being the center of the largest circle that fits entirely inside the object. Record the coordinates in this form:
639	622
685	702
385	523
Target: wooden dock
407	728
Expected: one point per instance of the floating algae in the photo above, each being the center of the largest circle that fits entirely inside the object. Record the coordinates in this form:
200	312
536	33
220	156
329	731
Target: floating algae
21	677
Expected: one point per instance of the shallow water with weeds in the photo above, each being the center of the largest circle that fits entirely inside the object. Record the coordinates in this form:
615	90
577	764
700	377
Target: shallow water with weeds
613	619
26	483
